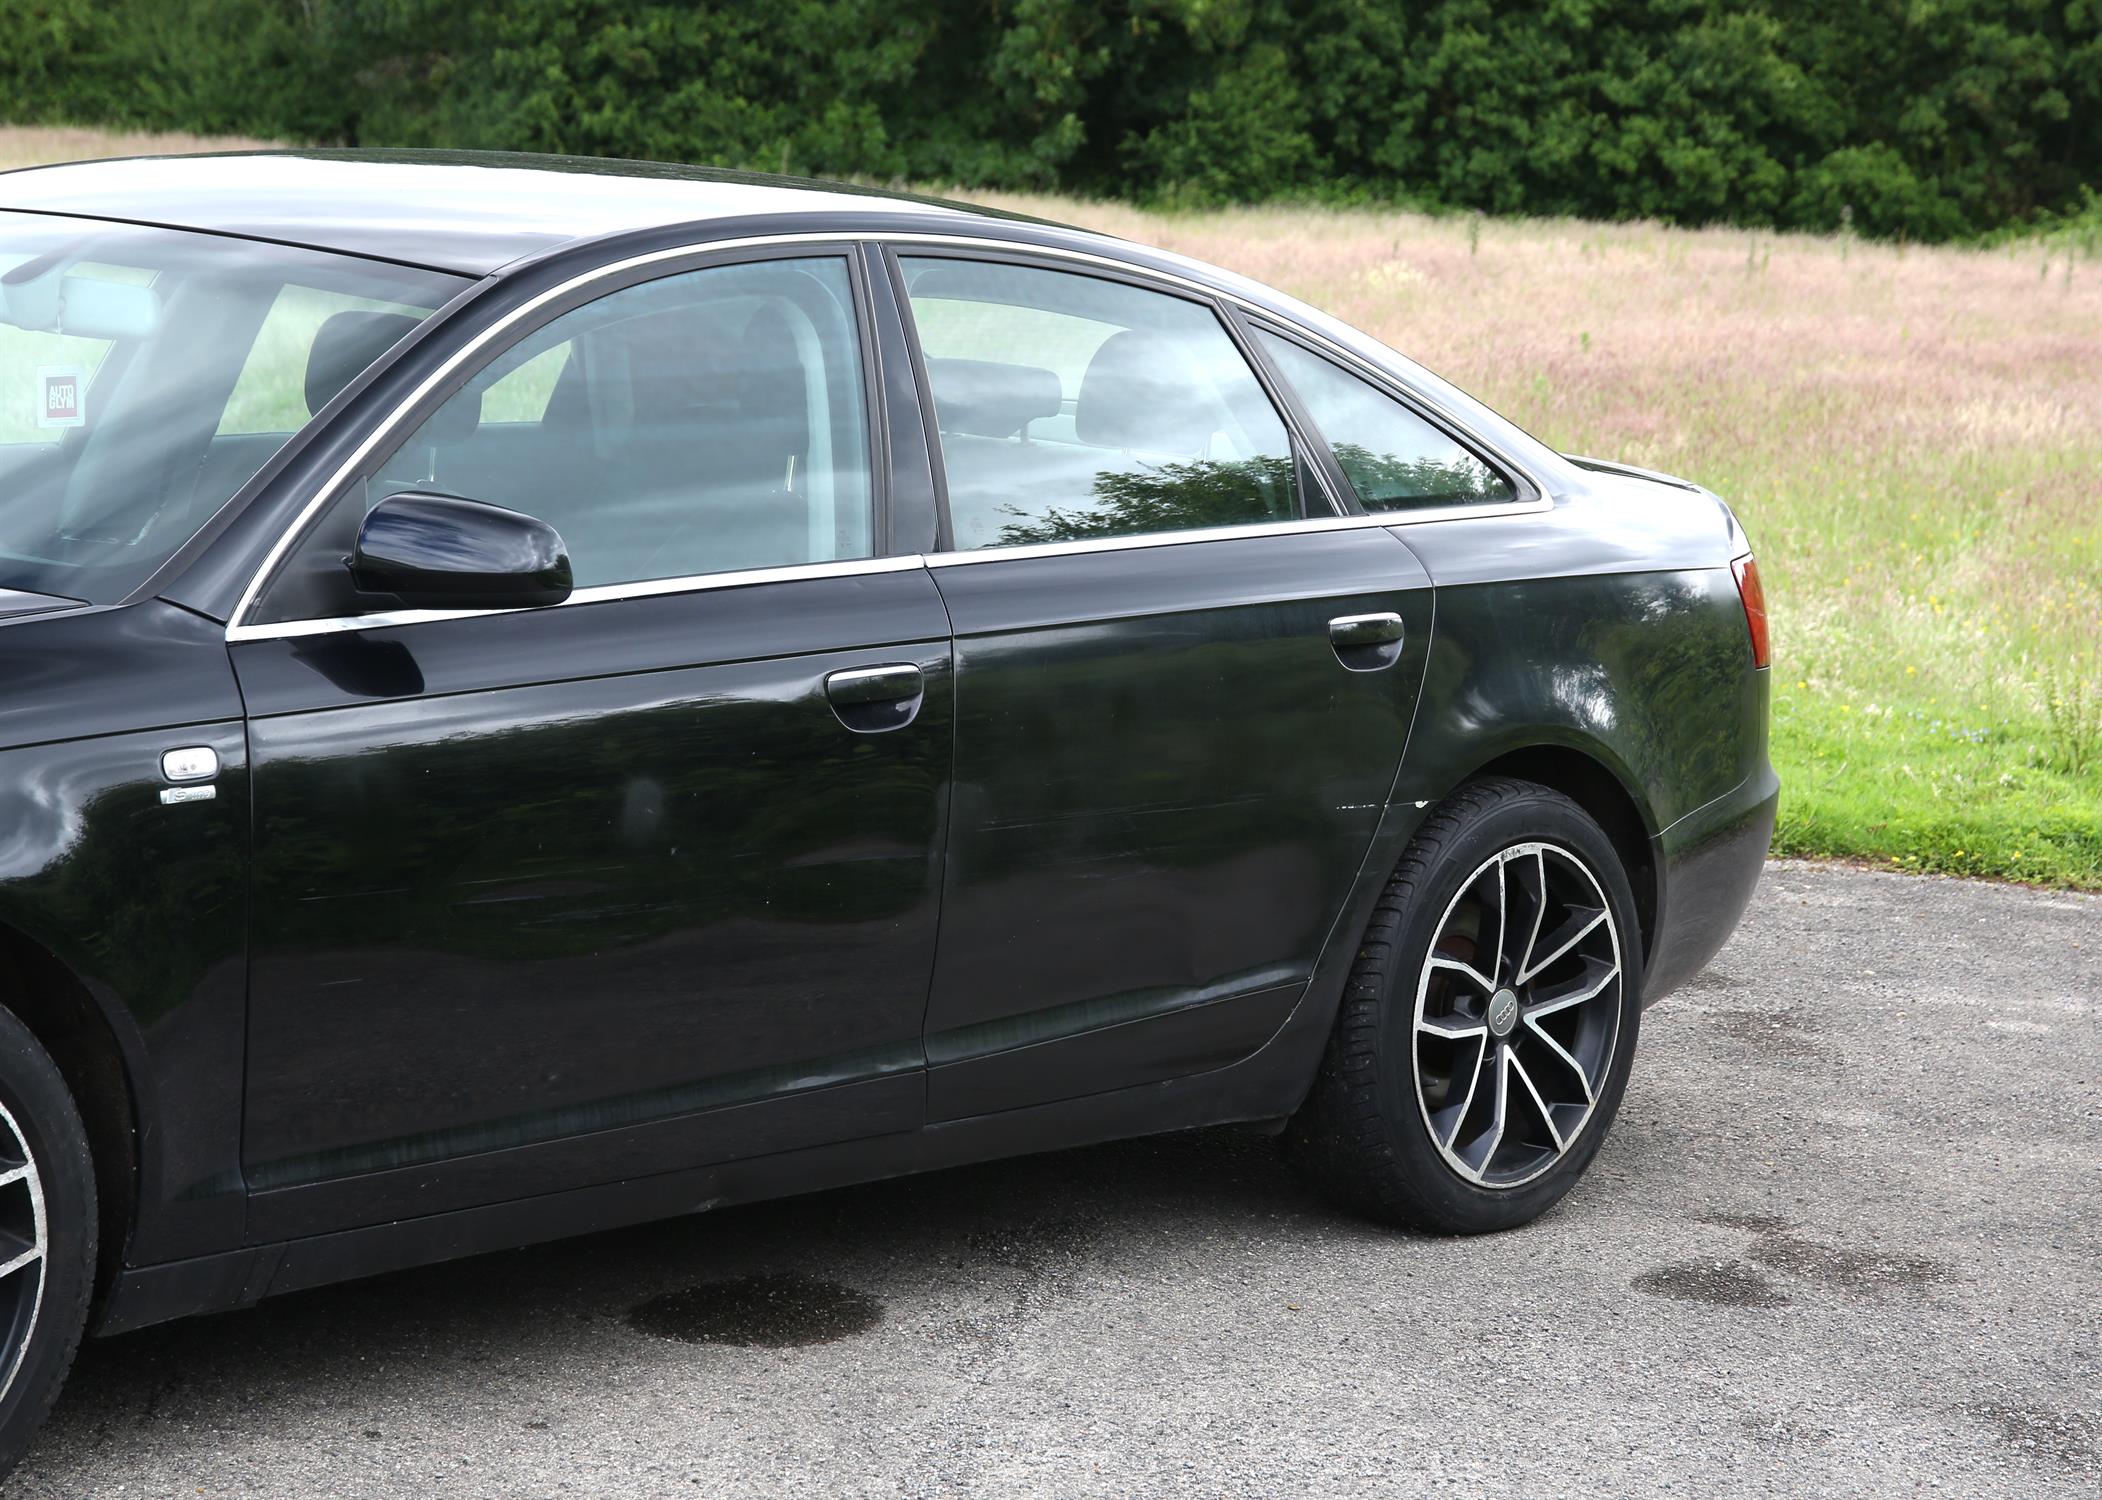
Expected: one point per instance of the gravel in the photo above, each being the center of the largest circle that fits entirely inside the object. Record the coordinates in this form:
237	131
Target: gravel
1846	1238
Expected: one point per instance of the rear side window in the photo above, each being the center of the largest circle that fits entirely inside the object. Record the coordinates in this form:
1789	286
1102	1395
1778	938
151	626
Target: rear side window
1394	459
1073	407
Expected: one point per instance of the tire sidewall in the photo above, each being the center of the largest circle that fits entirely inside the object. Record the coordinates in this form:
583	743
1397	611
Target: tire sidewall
1534	814
36	1095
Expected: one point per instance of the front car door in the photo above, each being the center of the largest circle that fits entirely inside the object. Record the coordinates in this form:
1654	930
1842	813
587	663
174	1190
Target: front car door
1184	682
642	881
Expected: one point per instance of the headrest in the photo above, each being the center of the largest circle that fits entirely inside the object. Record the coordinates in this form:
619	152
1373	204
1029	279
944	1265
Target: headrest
349	341
986	399
1137	394
767	369
346	344
459	419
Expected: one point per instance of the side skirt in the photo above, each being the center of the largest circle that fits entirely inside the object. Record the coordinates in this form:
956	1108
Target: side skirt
1265	1086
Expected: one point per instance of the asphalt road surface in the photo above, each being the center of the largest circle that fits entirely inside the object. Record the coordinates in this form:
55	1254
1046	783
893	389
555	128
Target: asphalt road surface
1846	1239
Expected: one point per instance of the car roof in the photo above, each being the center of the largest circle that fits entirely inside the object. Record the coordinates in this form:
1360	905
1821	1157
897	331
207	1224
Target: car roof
470	212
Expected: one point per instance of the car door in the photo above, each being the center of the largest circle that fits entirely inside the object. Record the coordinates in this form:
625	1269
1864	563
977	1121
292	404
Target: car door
1184	681
648	879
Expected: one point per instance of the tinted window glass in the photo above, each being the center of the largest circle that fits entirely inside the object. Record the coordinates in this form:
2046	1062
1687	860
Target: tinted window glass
1073	407
1393	458
706	422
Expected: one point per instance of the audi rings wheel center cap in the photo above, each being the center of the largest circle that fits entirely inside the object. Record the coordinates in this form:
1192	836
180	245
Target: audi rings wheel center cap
1503	1012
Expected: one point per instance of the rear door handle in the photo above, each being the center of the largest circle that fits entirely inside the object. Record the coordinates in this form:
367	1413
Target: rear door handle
870	700
1365	630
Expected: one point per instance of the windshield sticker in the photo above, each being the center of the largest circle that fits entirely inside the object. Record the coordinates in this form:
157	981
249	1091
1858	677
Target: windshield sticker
61	396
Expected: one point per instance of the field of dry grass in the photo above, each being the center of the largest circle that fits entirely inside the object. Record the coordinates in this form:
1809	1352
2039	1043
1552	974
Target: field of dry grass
33	145
1913	438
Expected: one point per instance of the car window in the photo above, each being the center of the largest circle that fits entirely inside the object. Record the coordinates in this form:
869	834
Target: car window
1394	459
1074	407
523	395
272	392
706	422
121	350
44	382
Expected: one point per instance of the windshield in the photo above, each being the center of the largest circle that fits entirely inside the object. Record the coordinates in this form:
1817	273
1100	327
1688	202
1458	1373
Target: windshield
147	374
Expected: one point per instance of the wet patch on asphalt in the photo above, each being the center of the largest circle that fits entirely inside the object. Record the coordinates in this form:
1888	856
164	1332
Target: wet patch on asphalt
1715	1283
767	1312
1861	1272
1733	1283
2061	1439
1022	1267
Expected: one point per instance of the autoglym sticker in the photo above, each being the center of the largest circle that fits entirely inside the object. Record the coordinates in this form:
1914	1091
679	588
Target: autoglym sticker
62	398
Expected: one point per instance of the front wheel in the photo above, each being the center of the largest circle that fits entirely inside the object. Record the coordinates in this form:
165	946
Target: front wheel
47	1235
1489	1023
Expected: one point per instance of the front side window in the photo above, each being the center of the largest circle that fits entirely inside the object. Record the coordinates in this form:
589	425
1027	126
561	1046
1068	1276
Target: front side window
703	423
707	422
1073	407
1393	458
147	374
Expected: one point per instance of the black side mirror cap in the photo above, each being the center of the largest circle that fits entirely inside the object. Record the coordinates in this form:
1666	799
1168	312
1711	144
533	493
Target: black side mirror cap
432	551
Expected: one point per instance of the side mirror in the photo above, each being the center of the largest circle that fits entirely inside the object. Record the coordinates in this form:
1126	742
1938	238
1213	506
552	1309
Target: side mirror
443	552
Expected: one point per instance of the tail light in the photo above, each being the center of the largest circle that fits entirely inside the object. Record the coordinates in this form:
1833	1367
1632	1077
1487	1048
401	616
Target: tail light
1747	570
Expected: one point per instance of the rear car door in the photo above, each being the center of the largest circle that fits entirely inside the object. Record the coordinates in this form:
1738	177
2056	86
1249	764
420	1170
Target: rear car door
1184	680
645	880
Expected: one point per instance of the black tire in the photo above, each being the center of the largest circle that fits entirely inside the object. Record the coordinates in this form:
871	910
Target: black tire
44	1304
1365	1133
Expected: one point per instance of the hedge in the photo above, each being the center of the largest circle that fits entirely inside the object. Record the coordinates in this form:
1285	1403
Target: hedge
1929	119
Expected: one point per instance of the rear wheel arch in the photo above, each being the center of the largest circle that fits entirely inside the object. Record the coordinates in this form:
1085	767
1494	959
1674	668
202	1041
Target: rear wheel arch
49	999
1588	781
1366	1132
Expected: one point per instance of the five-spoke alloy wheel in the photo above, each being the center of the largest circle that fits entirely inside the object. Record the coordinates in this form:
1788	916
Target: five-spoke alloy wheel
1487	1027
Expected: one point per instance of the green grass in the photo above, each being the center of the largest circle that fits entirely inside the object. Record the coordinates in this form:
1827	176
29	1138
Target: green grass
1938	682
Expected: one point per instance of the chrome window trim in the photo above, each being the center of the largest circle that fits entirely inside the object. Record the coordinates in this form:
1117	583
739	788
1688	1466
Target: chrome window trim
902	563
1242	532
607	593
238	630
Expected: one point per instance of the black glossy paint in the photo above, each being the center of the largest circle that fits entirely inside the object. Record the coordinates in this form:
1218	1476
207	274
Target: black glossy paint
142	905
528	876
1165	779
421	551
522	924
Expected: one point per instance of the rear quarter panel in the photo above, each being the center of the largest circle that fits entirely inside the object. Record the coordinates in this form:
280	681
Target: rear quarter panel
1608	624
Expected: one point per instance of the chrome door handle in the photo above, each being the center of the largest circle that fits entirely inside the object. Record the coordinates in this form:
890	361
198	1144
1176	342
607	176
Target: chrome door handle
862	685
1365	630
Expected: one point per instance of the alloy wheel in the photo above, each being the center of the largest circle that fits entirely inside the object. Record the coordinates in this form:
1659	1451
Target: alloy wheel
1517	1010
25	1242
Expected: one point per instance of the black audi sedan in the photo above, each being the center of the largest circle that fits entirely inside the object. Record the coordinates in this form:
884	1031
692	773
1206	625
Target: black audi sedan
539	694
